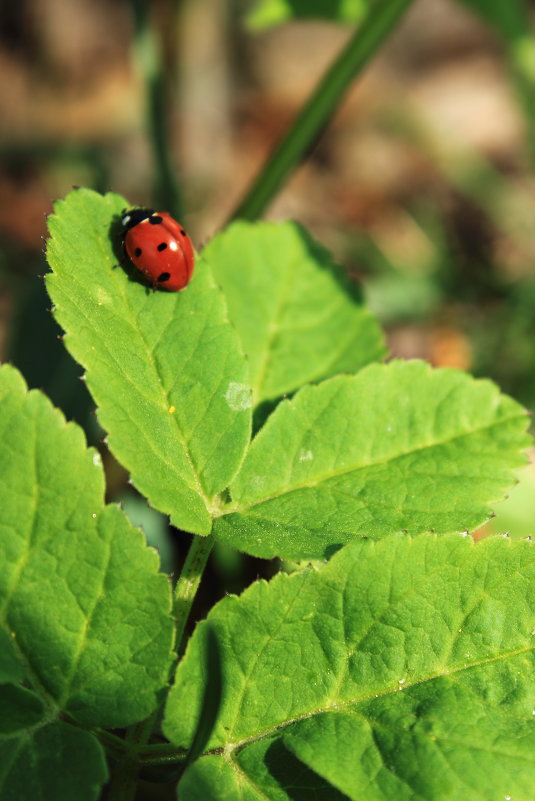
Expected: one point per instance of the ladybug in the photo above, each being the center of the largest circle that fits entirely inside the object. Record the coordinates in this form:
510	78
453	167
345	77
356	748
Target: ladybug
159	247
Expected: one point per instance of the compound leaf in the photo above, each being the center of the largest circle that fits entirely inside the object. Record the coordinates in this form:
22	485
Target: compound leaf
54	762
396	447
81	599
403	668
165	368
299	316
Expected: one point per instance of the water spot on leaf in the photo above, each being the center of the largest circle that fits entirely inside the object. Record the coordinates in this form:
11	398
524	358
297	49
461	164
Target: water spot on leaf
305	456
97	461
102	296
238	396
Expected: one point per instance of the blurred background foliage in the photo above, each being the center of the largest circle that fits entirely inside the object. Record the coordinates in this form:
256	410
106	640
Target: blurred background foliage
422	183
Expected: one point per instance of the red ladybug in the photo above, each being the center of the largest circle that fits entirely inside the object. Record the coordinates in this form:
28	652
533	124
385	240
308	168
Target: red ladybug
159	247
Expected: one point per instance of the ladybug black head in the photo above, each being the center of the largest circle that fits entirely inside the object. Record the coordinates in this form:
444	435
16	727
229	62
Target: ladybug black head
134	217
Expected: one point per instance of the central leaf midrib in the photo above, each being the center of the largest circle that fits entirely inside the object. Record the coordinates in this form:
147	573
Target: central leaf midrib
35	679
128	379
132	322
198	484
340	706
165	395
273	330
234	508
87	620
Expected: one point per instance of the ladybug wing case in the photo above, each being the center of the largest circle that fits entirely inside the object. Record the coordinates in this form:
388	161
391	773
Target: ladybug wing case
160	248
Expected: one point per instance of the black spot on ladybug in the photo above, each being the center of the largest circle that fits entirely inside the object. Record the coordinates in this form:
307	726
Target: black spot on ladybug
138	252
155	220
182	232
161	246
163	277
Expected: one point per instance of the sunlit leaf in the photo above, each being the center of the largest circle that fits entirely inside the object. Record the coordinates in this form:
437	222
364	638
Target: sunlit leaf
402	669
396	447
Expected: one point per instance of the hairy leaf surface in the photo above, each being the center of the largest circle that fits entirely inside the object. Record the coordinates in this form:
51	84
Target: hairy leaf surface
397	447
84	614
299	316
165	368
402	669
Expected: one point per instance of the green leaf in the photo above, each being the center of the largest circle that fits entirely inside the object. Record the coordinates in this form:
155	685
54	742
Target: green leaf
299	316
516	515
403	669
19	709
165	368
264	770
396	447
272	12
11	670
81	600
42	759
510	19
56	762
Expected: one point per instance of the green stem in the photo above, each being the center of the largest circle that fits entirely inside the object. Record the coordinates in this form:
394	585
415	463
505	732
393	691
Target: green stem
123	785
124	781
125	776
188	584
320	106
521	52
161	754
149	58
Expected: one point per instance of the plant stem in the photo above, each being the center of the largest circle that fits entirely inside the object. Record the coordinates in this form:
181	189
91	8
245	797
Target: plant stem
521	51
125	776
123	785
188	584
149	58
320	106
